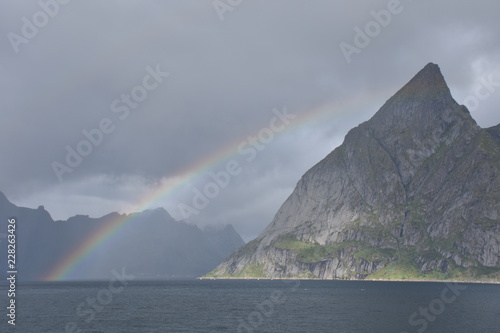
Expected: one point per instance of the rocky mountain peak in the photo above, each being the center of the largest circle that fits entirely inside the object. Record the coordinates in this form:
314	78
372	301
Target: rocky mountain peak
428	79
415	122
4	202
411	193
428	84
424	102
3	198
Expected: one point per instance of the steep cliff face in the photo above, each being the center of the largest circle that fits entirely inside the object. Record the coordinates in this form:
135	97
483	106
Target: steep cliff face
412	193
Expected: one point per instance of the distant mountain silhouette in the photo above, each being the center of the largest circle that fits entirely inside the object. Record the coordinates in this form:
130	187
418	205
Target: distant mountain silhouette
151	245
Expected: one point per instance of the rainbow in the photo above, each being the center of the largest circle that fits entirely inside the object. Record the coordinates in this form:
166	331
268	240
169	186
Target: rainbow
80	254
67	267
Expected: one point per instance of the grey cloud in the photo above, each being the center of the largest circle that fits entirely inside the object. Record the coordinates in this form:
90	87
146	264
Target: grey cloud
226	77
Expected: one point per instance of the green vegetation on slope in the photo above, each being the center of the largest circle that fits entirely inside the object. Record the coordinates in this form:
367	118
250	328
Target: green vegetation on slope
312	252
250	271
399	264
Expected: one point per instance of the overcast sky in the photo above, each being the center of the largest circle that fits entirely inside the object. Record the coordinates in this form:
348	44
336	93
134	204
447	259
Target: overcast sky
229	67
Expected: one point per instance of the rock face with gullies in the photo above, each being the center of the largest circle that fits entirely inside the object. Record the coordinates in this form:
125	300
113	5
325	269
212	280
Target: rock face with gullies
413	193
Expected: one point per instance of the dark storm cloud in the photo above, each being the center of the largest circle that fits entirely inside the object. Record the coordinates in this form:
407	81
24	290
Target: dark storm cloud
225	78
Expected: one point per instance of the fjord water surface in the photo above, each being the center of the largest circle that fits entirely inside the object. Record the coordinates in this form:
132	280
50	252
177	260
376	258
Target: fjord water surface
255	306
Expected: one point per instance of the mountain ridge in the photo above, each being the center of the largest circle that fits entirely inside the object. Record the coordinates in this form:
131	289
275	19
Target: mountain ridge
150	245
387	198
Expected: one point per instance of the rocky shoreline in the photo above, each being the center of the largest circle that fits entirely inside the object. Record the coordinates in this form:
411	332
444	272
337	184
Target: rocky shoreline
356	280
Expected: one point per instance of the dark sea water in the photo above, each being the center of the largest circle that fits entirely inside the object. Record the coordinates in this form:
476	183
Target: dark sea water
254	306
